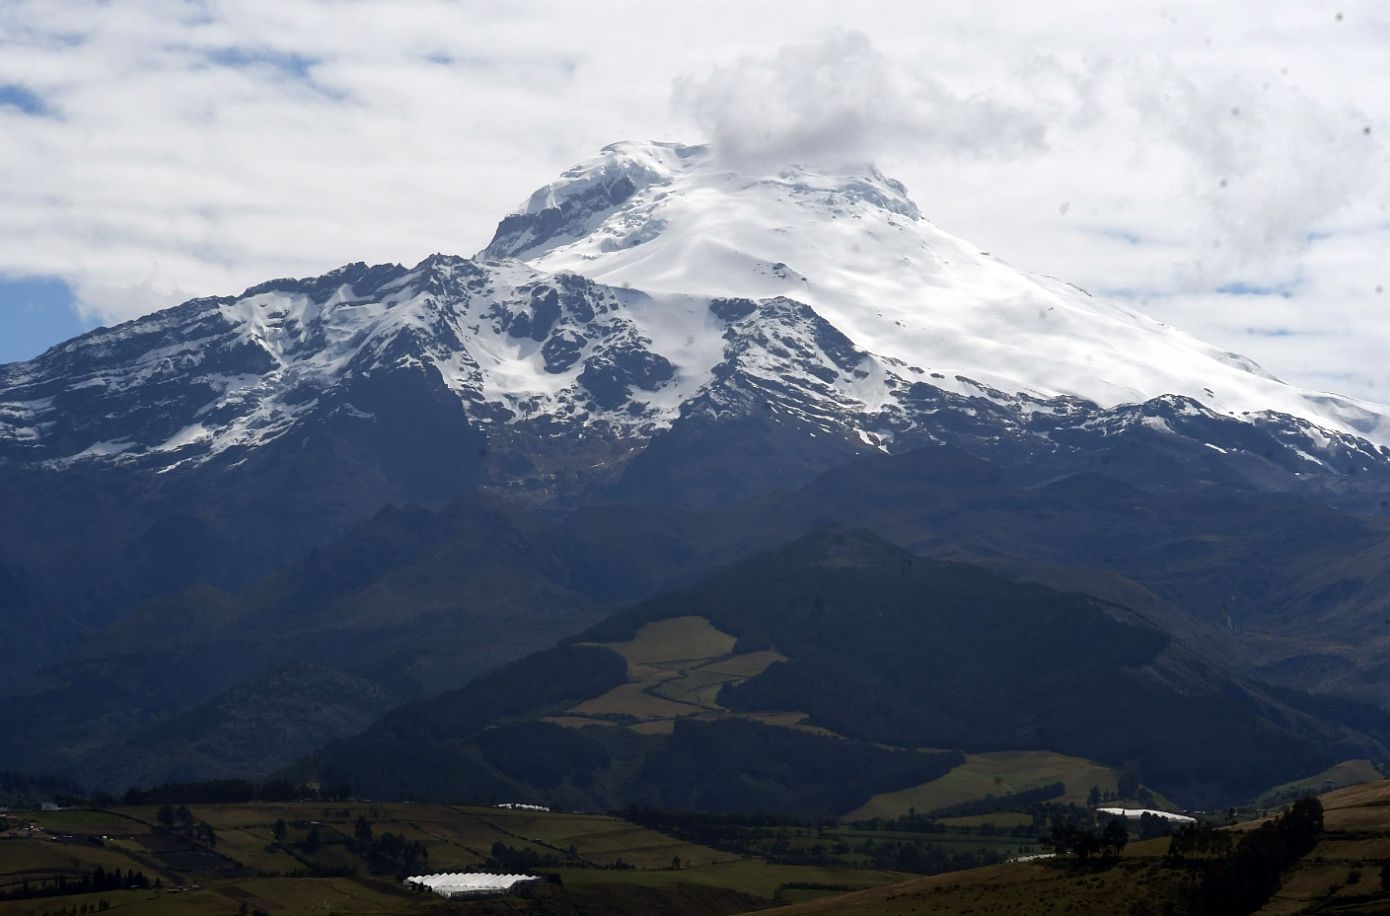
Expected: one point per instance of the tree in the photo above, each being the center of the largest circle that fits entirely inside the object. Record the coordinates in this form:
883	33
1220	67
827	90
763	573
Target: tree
206	833
1151	825
1301	824
1114	839
363	831
184	816
312	840
675	862
1087	845
1093	797
280	830
166	816
1068	839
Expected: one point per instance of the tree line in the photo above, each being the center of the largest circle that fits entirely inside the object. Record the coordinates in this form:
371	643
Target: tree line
98	879
234	791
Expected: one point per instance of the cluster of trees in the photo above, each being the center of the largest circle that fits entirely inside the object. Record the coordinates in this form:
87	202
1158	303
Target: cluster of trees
23	789
792	841
928	858
1243	879
98	879
182	820
1013	801
1198	839
101	906
741	765
1084	843
506	858
714	824
1128	788
1043	814
392	853
1151	826
389	853
234	791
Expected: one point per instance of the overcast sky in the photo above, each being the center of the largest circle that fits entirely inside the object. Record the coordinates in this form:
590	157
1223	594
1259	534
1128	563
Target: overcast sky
1226	171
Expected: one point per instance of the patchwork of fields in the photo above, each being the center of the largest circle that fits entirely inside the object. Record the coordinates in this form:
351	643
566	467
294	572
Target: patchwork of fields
1342	875
247	864
308	857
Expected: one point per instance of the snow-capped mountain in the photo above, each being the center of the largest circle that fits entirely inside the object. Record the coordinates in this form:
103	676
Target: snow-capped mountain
664	218
651	287
196	497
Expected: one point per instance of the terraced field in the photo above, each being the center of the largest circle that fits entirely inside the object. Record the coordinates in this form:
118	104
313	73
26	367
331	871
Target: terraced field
676	668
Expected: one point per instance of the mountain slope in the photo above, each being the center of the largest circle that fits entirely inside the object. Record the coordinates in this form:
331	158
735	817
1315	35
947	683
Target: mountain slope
263	722
842	632
418	601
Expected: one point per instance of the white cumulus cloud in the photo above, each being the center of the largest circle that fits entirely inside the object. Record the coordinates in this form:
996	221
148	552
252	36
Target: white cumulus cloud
154	150
837	99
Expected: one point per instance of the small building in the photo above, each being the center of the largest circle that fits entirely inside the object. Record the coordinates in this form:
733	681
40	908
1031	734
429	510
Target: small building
471	884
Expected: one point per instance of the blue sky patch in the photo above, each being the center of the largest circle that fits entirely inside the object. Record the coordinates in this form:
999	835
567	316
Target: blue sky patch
293	65
13	95
35	314
1240	288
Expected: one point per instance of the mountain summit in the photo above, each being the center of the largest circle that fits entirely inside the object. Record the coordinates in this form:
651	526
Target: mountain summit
662	217
654	287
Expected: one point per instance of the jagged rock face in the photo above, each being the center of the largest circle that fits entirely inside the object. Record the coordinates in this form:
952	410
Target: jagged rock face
652	291
220	377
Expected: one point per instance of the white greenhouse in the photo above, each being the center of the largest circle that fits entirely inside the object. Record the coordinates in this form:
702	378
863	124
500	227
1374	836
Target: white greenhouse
1136	813
470	884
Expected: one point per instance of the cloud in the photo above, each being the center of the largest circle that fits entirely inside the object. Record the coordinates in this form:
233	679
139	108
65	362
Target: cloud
1268	163
837	100
156	150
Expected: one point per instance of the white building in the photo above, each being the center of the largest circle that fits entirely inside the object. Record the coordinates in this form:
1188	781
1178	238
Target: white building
470	884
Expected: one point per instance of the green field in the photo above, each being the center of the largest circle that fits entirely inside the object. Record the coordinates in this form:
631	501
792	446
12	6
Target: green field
997	774
1346	773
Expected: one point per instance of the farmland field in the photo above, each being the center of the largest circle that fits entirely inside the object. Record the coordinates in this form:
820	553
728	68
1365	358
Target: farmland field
318	864
998	774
